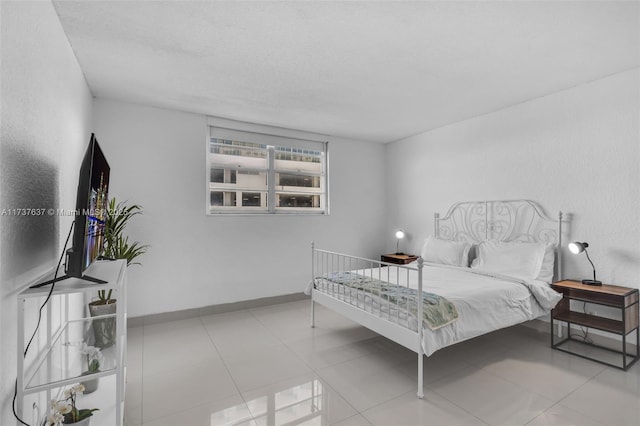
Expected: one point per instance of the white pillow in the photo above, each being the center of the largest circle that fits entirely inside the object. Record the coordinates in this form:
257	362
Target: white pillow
512	258
548	260
446	252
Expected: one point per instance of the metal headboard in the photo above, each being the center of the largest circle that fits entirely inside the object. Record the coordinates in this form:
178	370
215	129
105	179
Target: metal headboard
503	220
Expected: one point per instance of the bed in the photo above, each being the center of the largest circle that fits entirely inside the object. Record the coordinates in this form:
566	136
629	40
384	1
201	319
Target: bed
487	266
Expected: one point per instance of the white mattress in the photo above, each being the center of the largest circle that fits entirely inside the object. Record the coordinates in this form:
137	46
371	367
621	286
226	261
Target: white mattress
484	302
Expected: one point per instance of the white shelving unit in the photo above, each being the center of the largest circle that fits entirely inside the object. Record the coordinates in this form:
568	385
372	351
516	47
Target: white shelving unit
55	361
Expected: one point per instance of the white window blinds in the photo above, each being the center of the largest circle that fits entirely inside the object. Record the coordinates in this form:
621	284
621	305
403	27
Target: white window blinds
253	169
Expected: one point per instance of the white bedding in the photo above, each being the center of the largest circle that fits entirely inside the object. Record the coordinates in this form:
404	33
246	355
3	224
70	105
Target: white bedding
485	301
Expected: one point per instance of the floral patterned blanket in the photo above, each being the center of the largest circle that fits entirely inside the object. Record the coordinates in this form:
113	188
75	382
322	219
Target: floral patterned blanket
436	313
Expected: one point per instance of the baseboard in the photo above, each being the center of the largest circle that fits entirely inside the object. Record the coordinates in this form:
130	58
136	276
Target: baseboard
213	309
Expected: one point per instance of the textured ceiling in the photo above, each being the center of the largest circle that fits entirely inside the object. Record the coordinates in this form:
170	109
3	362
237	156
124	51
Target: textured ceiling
375	71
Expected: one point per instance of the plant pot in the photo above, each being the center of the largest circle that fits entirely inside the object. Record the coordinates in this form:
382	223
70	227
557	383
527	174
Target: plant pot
83	422
104	329
90	385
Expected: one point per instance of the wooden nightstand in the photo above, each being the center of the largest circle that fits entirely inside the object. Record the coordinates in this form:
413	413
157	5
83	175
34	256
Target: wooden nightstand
623	298
398	258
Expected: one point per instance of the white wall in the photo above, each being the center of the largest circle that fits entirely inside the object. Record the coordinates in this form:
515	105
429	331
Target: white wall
157	159
575	151
46	124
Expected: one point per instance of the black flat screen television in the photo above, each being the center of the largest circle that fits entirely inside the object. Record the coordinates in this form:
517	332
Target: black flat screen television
91	209
92	202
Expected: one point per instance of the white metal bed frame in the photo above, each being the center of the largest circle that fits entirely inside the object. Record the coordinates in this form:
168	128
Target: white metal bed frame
474	222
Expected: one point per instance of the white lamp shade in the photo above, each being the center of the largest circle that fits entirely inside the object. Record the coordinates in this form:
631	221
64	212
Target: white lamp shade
400	234
577	248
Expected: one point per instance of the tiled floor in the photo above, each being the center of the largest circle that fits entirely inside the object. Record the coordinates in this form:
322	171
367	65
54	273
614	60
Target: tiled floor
266	366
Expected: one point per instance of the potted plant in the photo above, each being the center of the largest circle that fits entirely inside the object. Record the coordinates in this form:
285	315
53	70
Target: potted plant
65	412
93	357
117	246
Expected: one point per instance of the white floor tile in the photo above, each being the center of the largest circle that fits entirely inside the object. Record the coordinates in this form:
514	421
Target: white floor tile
612	397
305	399
386	348
367	381
321	358
438	365
491	398
283	316
244	340
243	367
228	321
356	420
291	325
272	364
409	410
173	328
545	371
164	394
177	344
171	354
559	415
227	411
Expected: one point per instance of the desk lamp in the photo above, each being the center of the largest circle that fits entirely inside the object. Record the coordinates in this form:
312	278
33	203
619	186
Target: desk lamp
577	248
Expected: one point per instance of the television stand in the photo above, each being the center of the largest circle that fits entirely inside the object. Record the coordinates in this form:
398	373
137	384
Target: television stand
64	277
54	363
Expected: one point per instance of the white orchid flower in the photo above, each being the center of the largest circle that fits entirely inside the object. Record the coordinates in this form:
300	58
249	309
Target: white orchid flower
61	407
77	389
91	352
54	419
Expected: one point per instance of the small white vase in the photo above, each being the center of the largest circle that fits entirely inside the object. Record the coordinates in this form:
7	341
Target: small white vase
90	385
83	422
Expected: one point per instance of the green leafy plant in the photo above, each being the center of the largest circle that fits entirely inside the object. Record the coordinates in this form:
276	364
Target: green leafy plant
117	245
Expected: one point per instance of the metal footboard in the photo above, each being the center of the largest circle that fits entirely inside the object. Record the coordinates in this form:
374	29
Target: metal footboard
387	316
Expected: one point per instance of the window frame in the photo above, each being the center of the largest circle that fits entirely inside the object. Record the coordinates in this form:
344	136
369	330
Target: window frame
274	137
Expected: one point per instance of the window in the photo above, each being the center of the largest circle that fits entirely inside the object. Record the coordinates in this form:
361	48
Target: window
262	173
